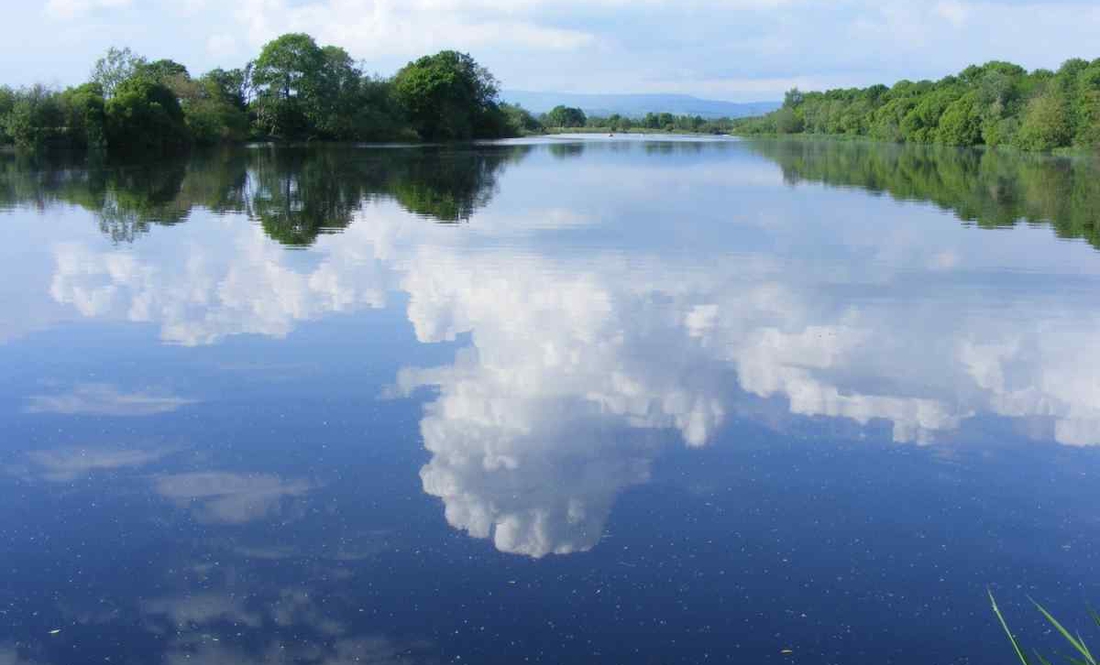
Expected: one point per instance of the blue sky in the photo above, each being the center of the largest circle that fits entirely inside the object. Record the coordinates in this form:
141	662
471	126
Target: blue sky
738	50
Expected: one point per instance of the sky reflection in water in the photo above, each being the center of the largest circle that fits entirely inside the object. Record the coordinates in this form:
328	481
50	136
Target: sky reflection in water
773	407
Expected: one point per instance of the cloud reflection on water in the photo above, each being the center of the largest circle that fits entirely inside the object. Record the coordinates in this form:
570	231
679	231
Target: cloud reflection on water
583	359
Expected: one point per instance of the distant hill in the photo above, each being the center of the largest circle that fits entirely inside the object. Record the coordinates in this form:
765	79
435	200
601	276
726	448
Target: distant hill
637	105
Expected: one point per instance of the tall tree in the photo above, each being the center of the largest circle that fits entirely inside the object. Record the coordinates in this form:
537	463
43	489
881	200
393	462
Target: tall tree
114	67
288	77
447	96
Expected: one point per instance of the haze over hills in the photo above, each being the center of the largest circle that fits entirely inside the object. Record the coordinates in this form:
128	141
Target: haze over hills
637	105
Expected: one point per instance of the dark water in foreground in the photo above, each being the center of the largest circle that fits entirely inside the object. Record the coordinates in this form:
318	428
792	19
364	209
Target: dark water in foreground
552	401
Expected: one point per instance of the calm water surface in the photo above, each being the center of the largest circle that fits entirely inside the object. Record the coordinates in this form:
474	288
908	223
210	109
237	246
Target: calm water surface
554	401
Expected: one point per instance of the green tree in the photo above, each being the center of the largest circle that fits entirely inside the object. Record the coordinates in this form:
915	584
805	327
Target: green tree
232	85
7	102
35	118
288	78
960	123
115	67
1087	107
84	116
1046	123
565	116
448	96
145	117
787	121
163	71
520	121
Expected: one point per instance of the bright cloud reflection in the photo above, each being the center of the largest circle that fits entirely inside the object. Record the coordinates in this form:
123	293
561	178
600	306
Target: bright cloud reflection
583	361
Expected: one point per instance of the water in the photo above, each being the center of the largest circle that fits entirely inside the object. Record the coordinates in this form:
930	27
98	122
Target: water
622	401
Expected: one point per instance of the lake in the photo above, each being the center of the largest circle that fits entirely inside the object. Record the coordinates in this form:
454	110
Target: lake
629	400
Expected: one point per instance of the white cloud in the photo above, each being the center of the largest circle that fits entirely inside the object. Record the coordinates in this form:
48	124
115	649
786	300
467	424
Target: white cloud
103	399
203	608
221	46
230	498
954	12
390	28
71	9
207	628
68	464
734	49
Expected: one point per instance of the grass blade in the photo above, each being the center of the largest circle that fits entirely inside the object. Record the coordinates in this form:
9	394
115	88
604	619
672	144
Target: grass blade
1011	637
1077	644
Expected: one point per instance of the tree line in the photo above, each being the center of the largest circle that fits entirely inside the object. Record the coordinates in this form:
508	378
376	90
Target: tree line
295	90
995	104
564	117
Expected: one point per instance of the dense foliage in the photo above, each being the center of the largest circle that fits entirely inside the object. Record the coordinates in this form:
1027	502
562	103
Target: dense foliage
294	90
995	104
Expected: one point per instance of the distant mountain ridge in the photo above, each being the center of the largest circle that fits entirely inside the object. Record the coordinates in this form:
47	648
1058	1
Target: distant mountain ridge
637	105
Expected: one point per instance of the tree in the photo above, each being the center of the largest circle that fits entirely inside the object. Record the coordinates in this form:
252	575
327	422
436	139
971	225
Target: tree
1046	124
339	97
793	98
961	123
288	77
787	121
566	116
520	120
145	117
1087	108
232	85
84	116
35	118
163	71
116	66
448	96
7	102
211	115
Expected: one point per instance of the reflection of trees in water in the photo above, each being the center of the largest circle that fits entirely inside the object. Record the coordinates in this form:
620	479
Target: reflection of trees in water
567	150
448	185
295	193
298	194
991	188
675	147
126	200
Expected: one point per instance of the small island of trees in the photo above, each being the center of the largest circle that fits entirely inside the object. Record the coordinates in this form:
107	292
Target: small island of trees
995	104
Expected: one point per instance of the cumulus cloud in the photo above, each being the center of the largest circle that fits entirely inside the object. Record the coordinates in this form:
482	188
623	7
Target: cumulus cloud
101	399
230	498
